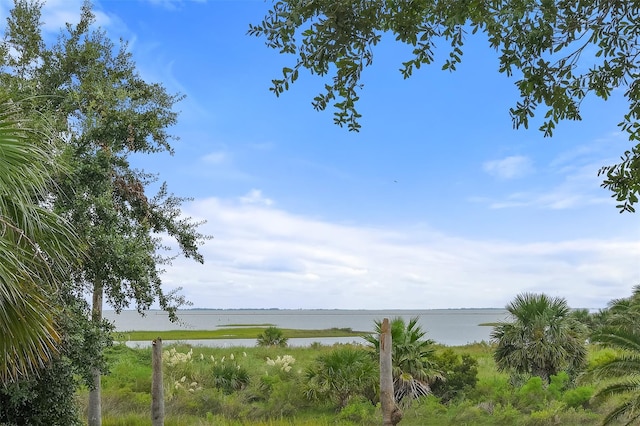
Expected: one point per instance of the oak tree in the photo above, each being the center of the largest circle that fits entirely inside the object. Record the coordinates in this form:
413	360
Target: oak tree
106	113
559	51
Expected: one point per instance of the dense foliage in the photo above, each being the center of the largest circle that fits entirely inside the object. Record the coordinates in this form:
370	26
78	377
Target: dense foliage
459	375
561	52
103	112
48	398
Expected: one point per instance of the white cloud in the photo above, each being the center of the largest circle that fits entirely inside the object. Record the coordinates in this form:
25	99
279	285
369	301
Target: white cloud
218	157
216	165
513	167
255	197
266	257
577	185
173	4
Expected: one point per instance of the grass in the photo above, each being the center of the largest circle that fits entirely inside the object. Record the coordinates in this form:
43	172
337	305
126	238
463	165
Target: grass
326	419
243	332
266	324
126	397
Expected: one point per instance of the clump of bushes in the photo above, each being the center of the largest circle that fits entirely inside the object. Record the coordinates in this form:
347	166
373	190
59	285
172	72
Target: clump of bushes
460	375
342	374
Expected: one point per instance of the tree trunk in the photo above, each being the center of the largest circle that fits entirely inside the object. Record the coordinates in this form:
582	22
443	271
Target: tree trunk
157	389
391	415
95	394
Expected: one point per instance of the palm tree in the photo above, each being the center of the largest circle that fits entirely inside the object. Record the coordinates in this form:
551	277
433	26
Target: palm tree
412	358
272	336
36	246
543	339
342	374
622	372
624	313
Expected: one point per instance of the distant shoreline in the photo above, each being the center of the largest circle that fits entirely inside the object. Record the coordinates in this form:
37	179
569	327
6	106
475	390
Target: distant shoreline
319	309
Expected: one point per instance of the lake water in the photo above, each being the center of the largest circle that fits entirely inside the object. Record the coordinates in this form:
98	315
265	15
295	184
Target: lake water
450	327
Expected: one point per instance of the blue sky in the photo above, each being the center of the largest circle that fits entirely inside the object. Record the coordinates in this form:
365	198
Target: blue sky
436	203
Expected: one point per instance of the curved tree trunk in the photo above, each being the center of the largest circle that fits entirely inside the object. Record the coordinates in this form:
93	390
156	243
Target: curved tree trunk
95	394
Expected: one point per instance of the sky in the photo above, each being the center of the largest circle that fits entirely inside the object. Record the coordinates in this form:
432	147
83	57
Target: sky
436	203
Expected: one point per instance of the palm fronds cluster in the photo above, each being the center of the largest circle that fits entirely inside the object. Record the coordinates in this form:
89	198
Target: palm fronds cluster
621	373
36	245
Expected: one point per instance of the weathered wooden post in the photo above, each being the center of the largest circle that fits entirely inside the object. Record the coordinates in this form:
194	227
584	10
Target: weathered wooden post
391	415
157	389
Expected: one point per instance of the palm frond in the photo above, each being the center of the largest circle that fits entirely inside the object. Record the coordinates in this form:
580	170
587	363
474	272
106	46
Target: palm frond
617	337
627	411
619	388
37	247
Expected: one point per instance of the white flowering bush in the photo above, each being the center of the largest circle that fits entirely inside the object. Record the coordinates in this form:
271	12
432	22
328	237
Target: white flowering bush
189	372
179	372
278	370
184	384
283	363
173	358
281	387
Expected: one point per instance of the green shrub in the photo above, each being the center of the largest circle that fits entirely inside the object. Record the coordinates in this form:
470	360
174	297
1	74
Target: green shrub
543	418
532	395
506	415
360	411
286	398
281	389
496	390
469	414
578	397
550	415
559	383
47	400
135	377
342	374
196	402
123	400
460	375
230	376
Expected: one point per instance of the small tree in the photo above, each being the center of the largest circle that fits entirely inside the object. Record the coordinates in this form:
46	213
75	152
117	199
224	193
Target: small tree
543	338
272	336
460	375
414	368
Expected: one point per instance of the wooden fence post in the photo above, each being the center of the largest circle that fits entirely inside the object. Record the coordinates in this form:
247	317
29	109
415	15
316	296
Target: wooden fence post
157	388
